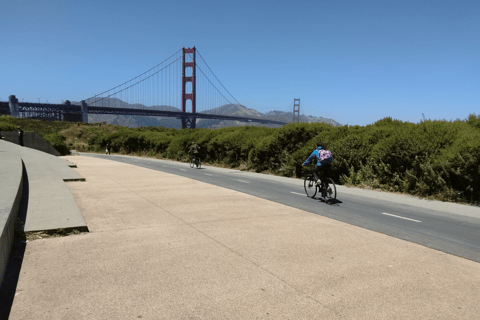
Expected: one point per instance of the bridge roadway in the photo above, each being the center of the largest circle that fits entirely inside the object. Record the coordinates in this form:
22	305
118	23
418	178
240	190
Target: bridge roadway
31	107
175	114
170	242
447	227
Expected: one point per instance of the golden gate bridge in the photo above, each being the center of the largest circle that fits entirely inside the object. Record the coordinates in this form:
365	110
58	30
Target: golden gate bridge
182	86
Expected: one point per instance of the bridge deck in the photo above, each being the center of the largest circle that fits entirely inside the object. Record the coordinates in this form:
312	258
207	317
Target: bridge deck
76	110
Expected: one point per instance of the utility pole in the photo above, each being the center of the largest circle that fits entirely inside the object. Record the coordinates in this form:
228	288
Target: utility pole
296	110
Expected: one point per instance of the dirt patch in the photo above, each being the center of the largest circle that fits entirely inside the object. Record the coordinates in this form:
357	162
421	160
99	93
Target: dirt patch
31	236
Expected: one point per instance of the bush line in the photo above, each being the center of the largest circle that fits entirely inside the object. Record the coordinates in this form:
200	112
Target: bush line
431	159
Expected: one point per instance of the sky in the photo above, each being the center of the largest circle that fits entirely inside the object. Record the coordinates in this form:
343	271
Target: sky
355	62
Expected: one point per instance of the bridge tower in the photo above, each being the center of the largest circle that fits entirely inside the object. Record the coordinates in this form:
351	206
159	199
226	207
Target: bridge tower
296	110
13	104
188	122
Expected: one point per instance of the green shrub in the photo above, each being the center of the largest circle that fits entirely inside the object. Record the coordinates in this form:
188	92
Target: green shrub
58	142
430	159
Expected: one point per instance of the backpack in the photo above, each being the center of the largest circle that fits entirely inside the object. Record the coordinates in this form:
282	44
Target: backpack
324	155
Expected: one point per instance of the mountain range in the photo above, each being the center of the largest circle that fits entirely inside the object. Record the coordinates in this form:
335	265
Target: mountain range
228	109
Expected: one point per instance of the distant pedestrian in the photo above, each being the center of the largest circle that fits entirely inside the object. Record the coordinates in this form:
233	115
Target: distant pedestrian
107	149
20	136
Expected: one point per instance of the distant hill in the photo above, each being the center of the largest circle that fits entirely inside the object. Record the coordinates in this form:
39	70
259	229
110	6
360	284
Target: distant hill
242	111
288	117
228	109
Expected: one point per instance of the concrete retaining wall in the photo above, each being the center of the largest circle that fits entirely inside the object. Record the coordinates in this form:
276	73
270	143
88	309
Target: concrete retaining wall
31	140
11	187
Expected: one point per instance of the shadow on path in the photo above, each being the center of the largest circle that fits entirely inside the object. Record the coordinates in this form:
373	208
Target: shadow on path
15	260
329	201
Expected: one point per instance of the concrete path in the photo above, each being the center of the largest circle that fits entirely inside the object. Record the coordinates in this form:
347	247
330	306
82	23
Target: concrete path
166	247
51	205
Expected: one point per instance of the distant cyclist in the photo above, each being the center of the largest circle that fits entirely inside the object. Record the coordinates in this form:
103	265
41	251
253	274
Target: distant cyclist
195	151
323	158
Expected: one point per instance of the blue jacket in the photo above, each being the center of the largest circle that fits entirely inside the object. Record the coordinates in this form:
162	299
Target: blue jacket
316	156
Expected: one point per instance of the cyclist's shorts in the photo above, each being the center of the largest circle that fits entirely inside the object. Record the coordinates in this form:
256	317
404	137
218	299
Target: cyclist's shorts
326	162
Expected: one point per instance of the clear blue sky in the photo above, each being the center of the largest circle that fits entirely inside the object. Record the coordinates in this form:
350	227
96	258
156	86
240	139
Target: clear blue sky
353	61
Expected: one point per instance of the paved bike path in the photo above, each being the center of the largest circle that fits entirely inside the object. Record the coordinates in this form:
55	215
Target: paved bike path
162	246
448	227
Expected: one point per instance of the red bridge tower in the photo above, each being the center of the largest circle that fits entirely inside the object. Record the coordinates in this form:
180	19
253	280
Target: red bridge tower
188	122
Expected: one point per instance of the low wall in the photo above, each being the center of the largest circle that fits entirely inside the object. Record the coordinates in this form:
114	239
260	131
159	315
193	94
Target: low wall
11	187
31	140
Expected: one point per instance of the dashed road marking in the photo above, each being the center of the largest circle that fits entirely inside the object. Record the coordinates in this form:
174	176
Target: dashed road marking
300	194
207	174
243	181
183	169
392	215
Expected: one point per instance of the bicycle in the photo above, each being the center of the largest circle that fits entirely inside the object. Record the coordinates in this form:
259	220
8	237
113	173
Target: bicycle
325	186
195	161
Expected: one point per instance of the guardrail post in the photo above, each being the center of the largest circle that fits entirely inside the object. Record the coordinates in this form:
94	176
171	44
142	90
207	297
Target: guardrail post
84	107
14	108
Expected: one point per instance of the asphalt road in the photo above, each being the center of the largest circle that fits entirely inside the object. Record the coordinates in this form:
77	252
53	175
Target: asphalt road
453	233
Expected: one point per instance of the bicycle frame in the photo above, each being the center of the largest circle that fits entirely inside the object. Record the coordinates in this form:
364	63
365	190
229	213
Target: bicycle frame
322	183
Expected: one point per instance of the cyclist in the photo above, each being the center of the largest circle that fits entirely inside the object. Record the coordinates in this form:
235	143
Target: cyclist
194	150
324	160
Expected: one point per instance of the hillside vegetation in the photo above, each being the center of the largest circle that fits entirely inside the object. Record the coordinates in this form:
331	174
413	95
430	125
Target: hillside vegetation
432	159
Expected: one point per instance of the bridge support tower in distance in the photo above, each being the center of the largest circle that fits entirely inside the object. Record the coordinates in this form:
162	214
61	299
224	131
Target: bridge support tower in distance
296	110
84	111
188	122
14	107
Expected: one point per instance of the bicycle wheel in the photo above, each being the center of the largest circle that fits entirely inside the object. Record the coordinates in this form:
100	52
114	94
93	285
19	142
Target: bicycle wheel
310	186
199	163
330	191
192	163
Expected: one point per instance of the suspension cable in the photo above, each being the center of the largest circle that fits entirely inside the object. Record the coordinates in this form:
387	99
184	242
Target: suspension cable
103	98
218	79
136	76
213	84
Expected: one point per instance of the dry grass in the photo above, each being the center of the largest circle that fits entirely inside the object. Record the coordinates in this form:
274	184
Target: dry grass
77	136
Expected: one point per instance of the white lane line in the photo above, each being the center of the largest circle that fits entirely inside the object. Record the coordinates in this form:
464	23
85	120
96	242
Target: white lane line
388	214
301	194
207	174
183	169
243	181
